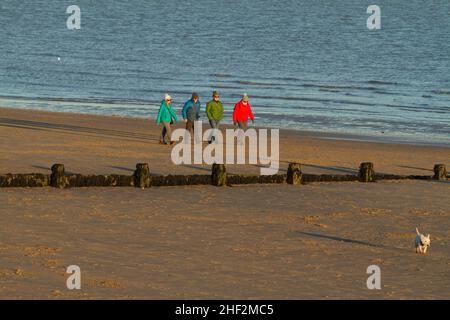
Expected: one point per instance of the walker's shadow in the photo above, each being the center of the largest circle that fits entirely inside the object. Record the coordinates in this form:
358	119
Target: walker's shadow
197	167
335	168
36	125
49	169
347	240
122	168
416	168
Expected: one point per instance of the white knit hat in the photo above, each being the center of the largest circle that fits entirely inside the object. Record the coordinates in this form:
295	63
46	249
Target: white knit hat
167	97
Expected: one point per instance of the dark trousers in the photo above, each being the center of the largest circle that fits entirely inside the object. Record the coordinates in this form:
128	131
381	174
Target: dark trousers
214	125
190	126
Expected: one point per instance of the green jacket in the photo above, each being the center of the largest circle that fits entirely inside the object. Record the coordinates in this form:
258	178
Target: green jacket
214	110
166	113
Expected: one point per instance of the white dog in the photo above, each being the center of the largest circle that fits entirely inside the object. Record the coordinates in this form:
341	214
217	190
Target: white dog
422	242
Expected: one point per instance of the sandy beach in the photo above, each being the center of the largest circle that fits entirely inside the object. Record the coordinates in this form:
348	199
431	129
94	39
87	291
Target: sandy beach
312	241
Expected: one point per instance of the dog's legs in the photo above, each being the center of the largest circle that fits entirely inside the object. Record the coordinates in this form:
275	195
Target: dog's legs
425	249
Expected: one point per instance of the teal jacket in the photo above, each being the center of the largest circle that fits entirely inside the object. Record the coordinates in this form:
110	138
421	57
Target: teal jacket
166	113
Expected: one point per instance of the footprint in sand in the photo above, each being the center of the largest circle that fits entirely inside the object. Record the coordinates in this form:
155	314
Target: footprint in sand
374	211
40	251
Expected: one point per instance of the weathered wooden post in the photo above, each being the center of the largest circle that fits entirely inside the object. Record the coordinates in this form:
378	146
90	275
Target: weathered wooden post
440	172
58	176
366	172
142	178
294	174
219	175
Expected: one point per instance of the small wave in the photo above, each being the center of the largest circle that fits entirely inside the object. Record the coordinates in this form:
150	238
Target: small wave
220	75
329	90
382	82
78	100
252	83
325	86
441	91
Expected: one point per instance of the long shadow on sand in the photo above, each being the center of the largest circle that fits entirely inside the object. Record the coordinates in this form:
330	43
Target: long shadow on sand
416	168
37	125
49	169
332	168
352	241
122	168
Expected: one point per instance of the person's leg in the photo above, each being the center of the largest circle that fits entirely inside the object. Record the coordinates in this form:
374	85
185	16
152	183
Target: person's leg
213	124
163	133
190	127
166	133
242	125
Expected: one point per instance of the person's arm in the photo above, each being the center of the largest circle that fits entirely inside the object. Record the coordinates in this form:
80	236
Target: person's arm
235	114
158	118
185	109
208	110
197	115
173	114
251	113
221	111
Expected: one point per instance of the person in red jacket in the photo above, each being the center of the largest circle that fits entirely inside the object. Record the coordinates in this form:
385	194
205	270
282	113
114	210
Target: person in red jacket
242	112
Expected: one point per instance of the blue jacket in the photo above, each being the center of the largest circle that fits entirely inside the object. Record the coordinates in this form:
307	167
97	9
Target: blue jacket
194	114
166	113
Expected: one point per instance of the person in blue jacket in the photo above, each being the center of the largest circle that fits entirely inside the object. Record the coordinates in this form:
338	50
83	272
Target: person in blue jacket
191	112
166	116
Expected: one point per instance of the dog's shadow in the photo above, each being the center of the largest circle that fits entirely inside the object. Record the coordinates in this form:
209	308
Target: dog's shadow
352	241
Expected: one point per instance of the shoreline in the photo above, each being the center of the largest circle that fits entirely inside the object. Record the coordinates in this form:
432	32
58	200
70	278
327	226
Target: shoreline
326	135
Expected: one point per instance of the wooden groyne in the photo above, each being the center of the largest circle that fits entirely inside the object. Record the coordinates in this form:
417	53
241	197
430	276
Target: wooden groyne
142	178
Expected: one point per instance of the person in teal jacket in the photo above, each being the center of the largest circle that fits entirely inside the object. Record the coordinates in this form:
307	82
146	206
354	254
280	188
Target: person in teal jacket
166	116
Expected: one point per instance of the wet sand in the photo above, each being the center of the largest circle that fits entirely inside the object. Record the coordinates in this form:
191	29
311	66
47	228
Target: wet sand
243	242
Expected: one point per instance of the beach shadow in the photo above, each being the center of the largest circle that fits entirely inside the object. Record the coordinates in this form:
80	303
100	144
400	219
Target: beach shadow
441	181
37	125
347	240
264	166
20	127
416	168
196	167
42	167
122	168
49	169
332	168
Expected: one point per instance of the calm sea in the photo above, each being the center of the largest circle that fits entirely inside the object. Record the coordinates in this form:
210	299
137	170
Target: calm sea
310	65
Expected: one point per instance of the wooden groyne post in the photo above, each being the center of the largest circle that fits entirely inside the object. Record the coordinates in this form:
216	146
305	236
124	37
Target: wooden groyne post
142	178
294	173
218	175
366	172
58	176
440	172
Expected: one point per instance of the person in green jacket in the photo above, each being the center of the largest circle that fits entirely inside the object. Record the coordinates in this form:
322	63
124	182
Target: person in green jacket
166	116
214	111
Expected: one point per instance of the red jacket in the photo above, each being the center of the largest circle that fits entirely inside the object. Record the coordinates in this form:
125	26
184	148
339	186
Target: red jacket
242	112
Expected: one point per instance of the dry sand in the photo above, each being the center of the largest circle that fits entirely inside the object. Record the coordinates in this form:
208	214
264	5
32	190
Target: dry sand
262	242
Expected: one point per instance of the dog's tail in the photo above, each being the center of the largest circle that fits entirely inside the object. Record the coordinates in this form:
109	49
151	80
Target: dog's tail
417	231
